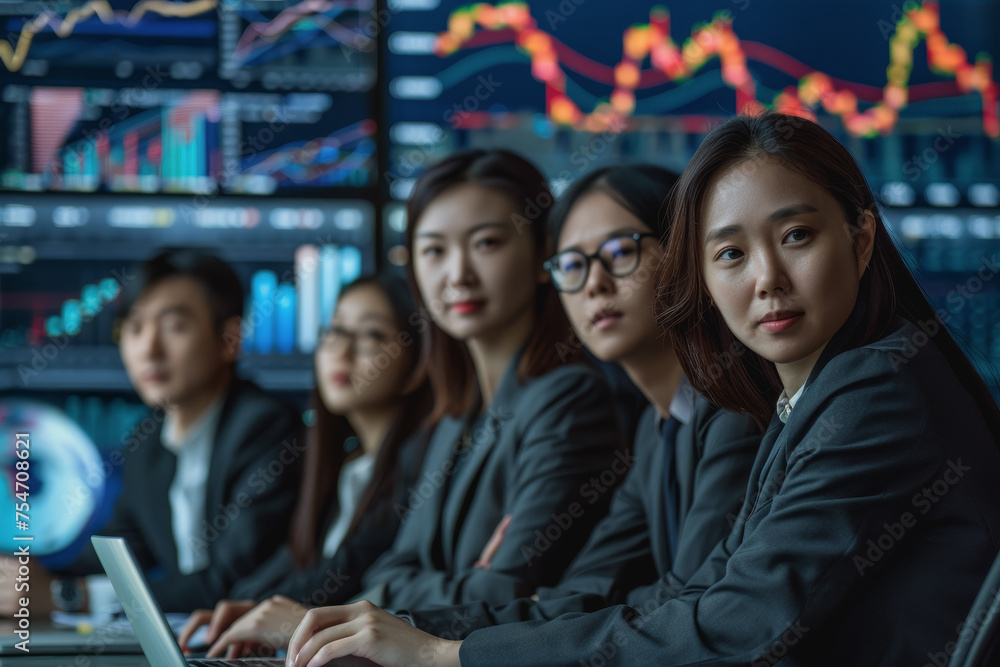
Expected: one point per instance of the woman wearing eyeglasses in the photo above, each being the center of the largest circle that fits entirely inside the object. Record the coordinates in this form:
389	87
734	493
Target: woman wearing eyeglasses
690	460
521	463
526	448
872	512
362	454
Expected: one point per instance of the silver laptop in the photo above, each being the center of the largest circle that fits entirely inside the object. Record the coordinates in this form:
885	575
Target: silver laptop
150	627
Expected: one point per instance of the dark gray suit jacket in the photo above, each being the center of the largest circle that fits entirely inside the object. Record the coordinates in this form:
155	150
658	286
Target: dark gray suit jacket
327	579
872	519
251	490
545	450
627	558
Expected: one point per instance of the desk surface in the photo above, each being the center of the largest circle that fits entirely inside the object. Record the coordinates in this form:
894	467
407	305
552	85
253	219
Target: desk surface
75	660
115	638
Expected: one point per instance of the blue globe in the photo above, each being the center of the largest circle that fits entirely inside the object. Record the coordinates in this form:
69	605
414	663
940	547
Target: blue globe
65	476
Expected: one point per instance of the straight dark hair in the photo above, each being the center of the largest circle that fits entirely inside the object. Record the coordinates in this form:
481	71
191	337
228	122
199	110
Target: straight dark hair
453	376
325	453
704	343
641	189
220	284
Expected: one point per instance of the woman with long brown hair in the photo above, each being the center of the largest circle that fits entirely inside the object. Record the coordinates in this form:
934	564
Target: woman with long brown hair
872	513
522	460
525	435
362	454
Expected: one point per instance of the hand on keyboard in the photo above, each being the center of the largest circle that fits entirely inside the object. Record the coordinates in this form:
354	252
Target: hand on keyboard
268	625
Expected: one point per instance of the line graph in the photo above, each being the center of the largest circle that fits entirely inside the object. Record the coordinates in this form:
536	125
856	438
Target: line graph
14	57
511	22
310	15
317	43
342	158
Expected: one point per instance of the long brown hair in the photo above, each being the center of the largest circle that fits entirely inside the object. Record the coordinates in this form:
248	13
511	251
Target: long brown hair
325	453
447	361
706	347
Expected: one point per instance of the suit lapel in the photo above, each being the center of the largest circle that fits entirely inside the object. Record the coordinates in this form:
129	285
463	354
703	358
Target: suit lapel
224	448
482	440
443	452
769	442
762	464
154	507
685	460
656	507
648	441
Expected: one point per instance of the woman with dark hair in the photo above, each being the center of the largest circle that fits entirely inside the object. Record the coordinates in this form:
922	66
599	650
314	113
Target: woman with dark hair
520	465
362	453
872	513
689	462
524	434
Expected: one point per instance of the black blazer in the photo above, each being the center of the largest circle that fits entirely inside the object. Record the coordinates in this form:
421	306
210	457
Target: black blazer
251	491
872	519
627	557
340	574
541	453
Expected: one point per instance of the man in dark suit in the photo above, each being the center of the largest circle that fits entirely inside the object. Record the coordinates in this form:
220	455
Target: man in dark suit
210	475
634	556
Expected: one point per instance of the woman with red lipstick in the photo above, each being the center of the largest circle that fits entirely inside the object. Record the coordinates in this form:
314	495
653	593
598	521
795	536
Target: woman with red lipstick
521	463
872	513
690	461
361	456
524	435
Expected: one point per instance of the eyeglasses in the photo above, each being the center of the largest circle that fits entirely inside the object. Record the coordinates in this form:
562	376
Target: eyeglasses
618	255
365	343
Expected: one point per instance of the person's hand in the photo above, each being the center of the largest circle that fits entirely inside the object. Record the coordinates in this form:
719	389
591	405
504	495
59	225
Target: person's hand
224	615
39	592
364	630
268	625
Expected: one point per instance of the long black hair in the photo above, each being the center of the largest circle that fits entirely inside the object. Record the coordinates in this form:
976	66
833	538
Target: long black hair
642	189
325	454
447	361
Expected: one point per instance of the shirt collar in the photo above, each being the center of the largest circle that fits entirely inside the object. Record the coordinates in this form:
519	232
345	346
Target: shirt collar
786	403
681	405
204	427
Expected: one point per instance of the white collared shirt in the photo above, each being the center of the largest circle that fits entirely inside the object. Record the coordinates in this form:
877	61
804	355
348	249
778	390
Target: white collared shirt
187	489
681	405
785	404
355	476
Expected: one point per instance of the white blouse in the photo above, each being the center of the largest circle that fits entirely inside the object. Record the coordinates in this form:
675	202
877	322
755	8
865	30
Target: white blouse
355	475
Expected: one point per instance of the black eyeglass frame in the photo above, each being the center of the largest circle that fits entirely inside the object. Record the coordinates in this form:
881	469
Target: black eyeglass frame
550	263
